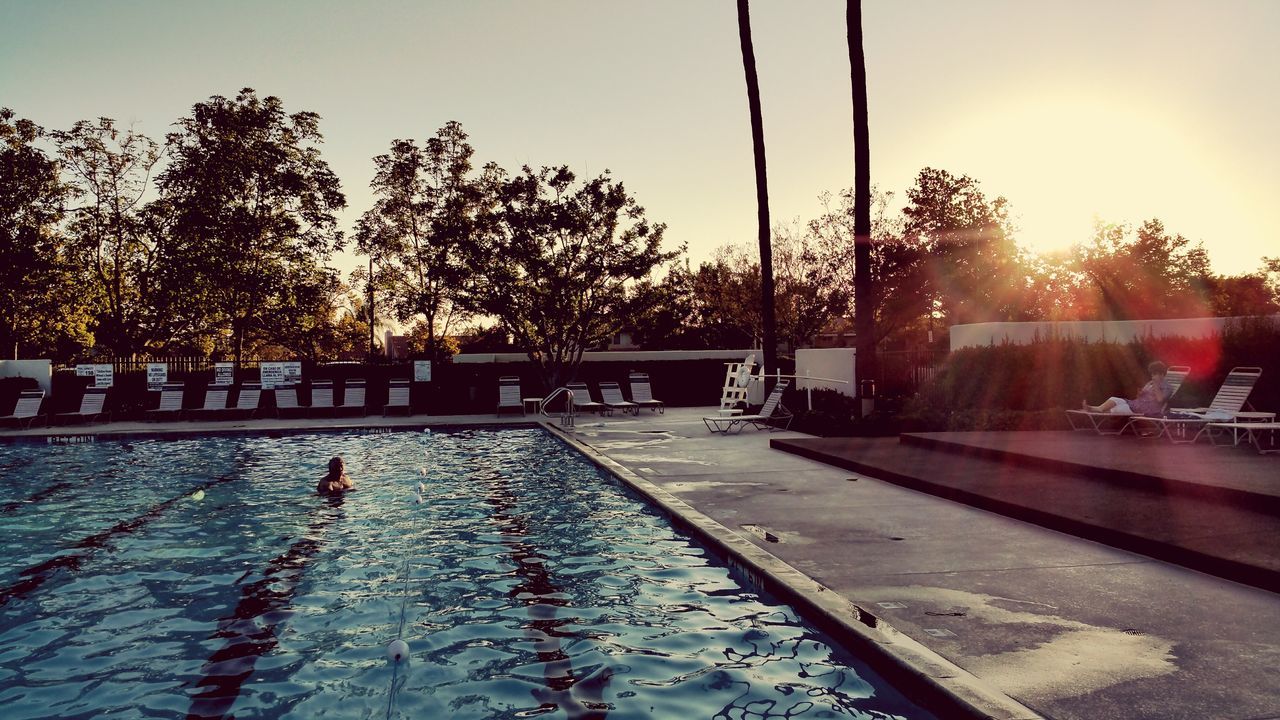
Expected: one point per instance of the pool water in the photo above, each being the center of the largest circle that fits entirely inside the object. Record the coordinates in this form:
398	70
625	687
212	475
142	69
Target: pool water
205	579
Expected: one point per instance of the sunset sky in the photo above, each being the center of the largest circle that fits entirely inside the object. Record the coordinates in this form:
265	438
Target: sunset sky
1124	111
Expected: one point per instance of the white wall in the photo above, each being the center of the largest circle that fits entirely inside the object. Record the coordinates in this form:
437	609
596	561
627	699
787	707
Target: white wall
834	363
1117	331
41	370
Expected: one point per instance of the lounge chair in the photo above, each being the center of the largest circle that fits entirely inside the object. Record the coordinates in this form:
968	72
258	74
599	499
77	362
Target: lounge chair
321	399
642	394
26	410
215	401
1115	423
352	399
582	399
91	407
1264	436
1227	407
287	404
397	398
170	403
773	411
611	396
247	402
509	393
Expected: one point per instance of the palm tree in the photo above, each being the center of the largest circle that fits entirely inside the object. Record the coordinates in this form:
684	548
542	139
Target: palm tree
762	193
864	323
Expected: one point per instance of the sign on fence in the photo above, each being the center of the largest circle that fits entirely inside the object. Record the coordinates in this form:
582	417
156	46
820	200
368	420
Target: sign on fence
224	373
103	376
272	374
293	371
422	371
157	375
84	370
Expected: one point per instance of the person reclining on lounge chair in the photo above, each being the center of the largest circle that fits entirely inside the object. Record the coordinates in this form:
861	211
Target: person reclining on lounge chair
1151	398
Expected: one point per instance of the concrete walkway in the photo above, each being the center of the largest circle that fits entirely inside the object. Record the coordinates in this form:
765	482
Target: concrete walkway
1067	627
1064	626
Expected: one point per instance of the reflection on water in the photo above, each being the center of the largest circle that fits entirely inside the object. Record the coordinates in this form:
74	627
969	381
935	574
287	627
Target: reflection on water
525	583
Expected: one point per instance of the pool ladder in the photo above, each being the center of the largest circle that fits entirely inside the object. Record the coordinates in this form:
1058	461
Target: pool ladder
566	417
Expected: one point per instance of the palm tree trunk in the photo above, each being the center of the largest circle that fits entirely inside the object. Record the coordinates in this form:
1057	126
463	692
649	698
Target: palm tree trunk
768	318
864	290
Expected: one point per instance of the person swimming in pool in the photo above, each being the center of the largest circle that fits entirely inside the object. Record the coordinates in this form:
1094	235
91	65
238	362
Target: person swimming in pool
337	481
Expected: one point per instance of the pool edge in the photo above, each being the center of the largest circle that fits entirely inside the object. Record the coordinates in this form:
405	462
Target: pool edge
945	688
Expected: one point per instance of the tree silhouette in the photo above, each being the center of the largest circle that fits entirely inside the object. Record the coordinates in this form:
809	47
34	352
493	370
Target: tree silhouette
863	288
254	206
762	191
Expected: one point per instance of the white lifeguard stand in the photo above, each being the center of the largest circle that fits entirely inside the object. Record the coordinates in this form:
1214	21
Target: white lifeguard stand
737	384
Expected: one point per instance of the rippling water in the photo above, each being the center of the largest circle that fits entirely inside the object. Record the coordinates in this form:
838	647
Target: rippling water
525	582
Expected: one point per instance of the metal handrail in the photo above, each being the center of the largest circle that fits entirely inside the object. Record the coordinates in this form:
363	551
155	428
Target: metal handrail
566	418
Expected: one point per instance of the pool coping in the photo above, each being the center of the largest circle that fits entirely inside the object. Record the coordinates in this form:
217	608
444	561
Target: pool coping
930	680
170	433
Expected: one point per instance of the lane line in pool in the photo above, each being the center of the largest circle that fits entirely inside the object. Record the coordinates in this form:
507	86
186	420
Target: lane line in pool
246	639
581	698
37	575
397	682
35	497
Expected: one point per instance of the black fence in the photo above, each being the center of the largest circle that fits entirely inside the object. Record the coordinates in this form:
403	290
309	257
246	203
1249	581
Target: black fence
456	388
903	372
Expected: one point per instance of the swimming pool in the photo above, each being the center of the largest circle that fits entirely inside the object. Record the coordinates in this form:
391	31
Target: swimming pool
203	578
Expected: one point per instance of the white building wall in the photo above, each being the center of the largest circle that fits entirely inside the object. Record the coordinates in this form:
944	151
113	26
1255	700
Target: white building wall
834	363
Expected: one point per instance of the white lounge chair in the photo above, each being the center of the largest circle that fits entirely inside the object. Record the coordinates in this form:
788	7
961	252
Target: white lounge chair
170	403
773	411
509	393
26	410
215	401
247	402
91	407
321	399
611	396
642	394
397	397
582	399
1115	423
287	401
352	399
1227	407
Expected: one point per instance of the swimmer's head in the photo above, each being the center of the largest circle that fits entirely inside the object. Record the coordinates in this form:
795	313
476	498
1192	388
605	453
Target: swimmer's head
336	466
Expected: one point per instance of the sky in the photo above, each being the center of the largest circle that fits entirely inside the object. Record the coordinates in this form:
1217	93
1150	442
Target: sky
1119	111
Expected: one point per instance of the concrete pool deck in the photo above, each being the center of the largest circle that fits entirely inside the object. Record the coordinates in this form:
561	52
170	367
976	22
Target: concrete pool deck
1065	627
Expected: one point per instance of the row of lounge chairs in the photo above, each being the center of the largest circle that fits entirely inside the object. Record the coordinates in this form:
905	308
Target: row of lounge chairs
248	403
1226	414
611	399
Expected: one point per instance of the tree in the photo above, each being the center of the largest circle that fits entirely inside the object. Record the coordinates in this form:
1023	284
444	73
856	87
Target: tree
973	261
254	207
40	309
660	311
1143	274
905	297
769	340
558	263
425	212
864	287
111	238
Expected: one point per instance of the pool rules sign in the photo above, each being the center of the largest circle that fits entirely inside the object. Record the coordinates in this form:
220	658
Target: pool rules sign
157	375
